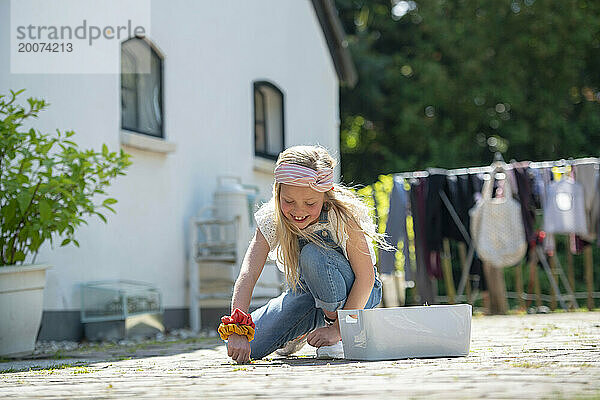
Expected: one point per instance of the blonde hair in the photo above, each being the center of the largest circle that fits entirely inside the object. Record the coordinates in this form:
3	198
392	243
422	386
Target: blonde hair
350	210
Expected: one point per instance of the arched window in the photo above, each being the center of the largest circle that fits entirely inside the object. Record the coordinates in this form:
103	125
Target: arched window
269	122
141	88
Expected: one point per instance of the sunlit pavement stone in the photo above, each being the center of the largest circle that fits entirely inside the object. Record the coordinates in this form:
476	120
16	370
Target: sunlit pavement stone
530	356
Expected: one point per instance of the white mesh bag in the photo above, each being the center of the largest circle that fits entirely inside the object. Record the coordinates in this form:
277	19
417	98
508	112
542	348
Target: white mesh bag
497	227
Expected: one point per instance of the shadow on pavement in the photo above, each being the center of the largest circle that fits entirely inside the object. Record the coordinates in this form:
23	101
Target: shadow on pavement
299	361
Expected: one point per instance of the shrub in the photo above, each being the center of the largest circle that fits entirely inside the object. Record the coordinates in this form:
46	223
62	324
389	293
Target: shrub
47	184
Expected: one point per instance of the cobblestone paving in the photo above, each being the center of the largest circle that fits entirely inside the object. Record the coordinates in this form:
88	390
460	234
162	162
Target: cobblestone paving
530	356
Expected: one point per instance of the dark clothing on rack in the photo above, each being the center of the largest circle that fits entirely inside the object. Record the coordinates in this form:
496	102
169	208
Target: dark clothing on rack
577	244
454	194
434	223
395	230
435	215
434	265
460	193
417	201
475	184
524	184
542	179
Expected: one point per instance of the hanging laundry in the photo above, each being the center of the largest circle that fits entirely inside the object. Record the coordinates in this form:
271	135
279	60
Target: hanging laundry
434	222
467	194
538	188
577	244
497	226
587	176
436	212
564	208
459	201
512	179
524	181
424	285
395	230
432	219
542	179
476	185
597	221
460	193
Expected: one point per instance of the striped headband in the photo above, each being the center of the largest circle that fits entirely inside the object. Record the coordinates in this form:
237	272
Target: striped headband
298	175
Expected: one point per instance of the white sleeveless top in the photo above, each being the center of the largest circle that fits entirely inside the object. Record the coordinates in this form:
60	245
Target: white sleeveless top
265	221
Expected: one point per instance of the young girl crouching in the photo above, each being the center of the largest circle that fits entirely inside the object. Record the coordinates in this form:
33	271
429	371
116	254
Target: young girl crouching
322	235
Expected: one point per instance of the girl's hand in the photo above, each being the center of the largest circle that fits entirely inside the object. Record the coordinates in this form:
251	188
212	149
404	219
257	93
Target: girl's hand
238	348
324	336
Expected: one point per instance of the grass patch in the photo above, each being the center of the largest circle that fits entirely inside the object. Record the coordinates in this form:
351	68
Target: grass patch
526	364
46	369
516	312
60	366
592	396
91	347
82	370
132	348
58	356
386	374
547	329
46	372
196	340
10	371
586	365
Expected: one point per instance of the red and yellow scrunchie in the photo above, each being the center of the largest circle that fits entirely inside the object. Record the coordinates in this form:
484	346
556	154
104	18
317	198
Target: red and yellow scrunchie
244	330
238	317
238	322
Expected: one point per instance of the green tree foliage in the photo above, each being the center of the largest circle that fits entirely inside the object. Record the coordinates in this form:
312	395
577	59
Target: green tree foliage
448	82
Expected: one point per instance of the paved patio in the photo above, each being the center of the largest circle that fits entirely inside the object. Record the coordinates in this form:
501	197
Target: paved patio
529	356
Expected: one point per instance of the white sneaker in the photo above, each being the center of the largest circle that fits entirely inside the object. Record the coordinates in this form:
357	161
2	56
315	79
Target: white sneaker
333	351
292	346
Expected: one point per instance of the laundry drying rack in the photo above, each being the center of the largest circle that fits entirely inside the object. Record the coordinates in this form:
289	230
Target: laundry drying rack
563	166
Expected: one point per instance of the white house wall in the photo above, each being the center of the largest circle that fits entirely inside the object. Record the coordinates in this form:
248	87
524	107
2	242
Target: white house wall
213	52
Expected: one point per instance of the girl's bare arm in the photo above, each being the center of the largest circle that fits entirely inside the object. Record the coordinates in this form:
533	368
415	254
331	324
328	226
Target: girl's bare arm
362	265
252	266
238	347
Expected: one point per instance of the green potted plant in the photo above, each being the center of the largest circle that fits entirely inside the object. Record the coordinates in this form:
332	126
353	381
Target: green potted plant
47	186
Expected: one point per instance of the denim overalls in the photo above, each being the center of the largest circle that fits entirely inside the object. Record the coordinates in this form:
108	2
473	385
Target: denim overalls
326	278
